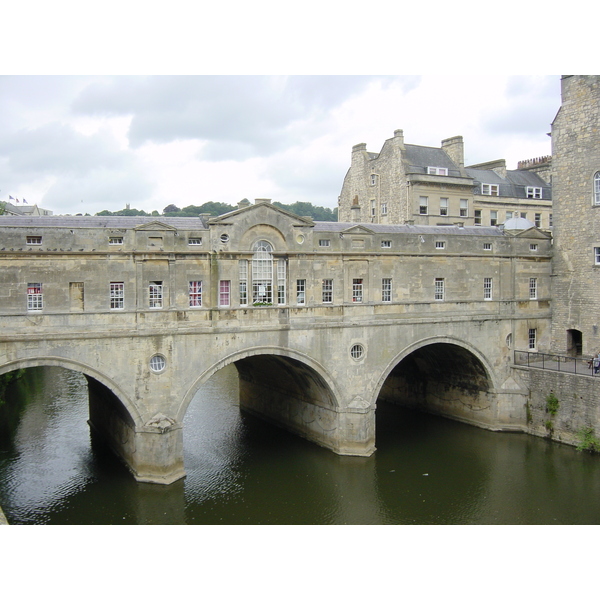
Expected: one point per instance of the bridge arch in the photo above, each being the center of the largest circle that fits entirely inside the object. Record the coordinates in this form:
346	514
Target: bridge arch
90	373
442	375
322	377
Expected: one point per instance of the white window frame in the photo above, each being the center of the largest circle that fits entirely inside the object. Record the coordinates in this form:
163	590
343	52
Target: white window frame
327	291
423	205
533	192
301	292
440	245
533	289
477	216
490	189
195	241
262	273
597	255
33	240
195	294
155	294
324	243
464	207
533	247
597	188
373	179
35	297
440	289
243	281
532	338
443	207
493	218
117	295
386	243
383	209
487	246
281	281
437	171
386	289
115	241
537	220
487	288
224	293
357	290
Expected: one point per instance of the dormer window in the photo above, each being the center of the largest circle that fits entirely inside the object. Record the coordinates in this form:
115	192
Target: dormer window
489	189
534	192
437	171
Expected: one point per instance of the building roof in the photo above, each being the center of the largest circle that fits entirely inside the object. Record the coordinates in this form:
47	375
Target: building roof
421	157
513	186
98	222
336	227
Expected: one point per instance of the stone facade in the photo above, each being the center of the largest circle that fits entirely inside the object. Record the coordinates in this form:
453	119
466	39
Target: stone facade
317	317
576	171
431	186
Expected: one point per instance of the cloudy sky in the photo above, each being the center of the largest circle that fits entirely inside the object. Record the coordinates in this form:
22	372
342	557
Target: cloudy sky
87	143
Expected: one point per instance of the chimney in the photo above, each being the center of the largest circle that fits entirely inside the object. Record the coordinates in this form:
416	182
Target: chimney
455	149
262	201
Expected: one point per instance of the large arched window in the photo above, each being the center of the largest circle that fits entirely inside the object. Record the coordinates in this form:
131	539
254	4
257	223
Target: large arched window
597	188
262	273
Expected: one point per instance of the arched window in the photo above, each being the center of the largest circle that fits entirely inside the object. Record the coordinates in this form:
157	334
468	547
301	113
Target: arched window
262	273
597	188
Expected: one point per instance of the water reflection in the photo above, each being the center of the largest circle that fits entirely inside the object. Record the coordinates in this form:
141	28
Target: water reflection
241	470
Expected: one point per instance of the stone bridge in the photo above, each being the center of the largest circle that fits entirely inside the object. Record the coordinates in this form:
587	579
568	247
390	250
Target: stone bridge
314	367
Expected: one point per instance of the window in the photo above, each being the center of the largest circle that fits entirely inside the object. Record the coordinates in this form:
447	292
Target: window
533	288
523	215
115	241
117	295
386	289
464	208
493	217
243	278
373	179
597	188
281	279
357	290
440	245
532	338
34	240
489	189
597	256
262	273
35	298
301	292
533	247
477	217
437	171
224	293
327	291
155	291
487	288
383	209
195	293
195	241
534	192
443	207
550	220
487	246
423	200
224	238
373	208
509	214
324	243
158	363
439	288
386	243
538	219
357	351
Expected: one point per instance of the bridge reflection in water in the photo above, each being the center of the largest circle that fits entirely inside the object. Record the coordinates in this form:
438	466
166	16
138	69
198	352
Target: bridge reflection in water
241	470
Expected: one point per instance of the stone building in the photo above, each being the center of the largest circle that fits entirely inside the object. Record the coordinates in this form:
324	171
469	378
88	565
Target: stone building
431	186
576	189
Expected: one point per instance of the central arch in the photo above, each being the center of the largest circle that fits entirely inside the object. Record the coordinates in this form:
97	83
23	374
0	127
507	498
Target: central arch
443	376
284	387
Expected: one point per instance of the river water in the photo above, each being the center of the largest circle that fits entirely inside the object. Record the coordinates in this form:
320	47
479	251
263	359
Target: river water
240	470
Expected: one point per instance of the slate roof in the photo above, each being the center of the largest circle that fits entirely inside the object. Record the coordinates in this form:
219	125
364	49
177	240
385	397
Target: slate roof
514	186
335	227
421	157
96	222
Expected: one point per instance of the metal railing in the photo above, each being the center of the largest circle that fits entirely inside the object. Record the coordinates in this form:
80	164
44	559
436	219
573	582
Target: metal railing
556	362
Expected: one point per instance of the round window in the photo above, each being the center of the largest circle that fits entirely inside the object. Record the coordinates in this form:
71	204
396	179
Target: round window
357	351
158	363
224	238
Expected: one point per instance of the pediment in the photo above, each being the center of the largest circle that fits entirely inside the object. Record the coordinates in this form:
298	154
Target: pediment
155	226
358	230
533	233
262	207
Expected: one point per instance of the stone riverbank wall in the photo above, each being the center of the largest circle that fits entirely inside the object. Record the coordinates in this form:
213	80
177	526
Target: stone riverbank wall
577	409
3	520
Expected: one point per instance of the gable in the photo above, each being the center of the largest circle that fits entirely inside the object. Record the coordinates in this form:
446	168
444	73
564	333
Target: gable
262	208
155	226
358	230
